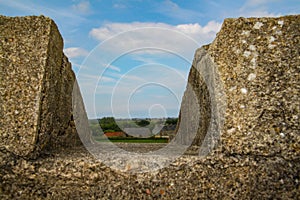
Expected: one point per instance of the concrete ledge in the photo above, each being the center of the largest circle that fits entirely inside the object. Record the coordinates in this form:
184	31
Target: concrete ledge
74	174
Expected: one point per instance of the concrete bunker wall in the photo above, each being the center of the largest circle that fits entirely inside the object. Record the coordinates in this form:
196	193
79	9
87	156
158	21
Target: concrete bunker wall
247	87
36	87
243	94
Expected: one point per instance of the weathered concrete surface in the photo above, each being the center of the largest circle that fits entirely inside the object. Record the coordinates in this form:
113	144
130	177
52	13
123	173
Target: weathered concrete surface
247	82
259	63
257	156
203	105
75	174
35	88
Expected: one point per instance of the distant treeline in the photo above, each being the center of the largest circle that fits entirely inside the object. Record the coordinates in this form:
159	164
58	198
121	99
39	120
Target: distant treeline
110	124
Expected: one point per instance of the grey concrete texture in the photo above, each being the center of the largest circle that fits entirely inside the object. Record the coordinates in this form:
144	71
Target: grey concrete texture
35	88
75	174
259	65
244	110
247	84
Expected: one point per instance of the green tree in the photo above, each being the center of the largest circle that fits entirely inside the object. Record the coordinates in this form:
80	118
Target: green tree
142	122
109	124
171	121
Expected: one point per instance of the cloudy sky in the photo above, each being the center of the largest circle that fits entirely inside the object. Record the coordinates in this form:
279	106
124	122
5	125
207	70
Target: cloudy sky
132	57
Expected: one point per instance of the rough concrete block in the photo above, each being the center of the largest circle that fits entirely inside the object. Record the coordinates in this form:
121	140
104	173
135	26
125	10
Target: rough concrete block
247	84
36	84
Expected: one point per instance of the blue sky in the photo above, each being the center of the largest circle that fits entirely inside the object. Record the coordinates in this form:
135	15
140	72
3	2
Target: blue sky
132	57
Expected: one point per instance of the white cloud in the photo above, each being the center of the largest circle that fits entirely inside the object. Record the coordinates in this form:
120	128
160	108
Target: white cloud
259	13
115	68
119	6
258	8
254	3
171	9
83	7
107	79
182	38
59	14
195	31
116	90
74	52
